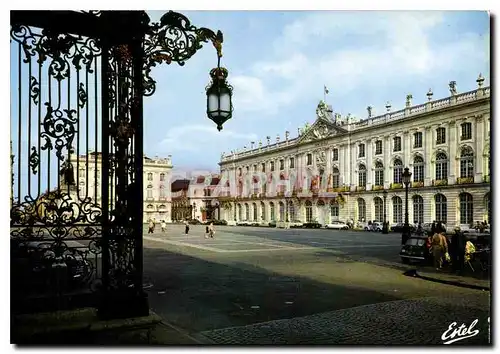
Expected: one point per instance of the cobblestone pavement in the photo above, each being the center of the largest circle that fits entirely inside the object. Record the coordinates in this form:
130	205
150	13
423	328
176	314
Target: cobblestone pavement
250	275
404	322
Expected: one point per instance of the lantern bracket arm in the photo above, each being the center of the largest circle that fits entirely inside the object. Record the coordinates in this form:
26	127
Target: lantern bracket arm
174	39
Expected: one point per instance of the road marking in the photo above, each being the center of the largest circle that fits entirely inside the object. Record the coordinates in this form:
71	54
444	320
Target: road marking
172	242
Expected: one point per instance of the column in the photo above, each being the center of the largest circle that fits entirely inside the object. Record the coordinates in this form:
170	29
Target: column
479	140
406	148
451	137
427	144
369	166
388	148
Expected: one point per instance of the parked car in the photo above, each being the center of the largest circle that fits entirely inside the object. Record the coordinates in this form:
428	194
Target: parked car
272	223
296	224
243	223
216	222
338	225
374	226
414	250
312	225
399	227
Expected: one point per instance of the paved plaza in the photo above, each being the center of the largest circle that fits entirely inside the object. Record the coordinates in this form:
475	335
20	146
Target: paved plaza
253	285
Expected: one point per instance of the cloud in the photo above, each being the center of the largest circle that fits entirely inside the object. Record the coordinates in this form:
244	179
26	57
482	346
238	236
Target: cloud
197	137
389	46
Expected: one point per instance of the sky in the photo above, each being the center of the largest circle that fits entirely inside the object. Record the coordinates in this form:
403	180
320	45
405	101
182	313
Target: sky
280	61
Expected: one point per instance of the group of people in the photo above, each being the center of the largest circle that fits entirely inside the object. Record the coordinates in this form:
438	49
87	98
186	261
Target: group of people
209	230
152	226
456	251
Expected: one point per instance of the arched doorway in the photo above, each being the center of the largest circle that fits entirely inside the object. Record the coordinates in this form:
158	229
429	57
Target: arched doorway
254	206
240	214
272	216
334	210
291	211
379	209
263	211
466	209
247	212
361	210
282	211
397	210
321	212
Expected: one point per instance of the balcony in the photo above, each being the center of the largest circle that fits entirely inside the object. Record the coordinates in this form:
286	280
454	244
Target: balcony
440	182
465	180
150	199
377	188
360	188
396	186
417	184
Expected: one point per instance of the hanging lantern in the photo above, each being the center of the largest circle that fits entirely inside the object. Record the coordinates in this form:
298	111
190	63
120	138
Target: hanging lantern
219	97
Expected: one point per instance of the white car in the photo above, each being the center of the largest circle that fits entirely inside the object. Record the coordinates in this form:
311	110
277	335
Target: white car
375	226
243	223
338	225
295	223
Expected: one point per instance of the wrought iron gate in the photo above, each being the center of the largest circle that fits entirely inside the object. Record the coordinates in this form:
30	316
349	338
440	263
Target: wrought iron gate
76	215
77	86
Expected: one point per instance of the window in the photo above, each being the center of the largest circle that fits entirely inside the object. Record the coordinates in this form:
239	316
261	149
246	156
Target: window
150	191
361	209
162	177
292	162
291	211
263	167
254	208
272	166
247	212
397	210
398	171
282	211
247	169
466	207
417	140
441	208
334	211
466	131
239	212
466	162
162	192
418	210
335	178
309	159
309	211
379	174
335	154
418	169
397	143
379	209
282	165
150	176
440	136
361	150
263	210
271	211
378	147
362	176
254	168
81	173
441	166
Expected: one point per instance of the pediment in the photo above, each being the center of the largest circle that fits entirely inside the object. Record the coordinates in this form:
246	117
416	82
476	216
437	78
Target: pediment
321	129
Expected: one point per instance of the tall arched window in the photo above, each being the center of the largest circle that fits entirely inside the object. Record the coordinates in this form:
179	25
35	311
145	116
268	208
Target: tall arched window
397	210
263	210
418	209
309	211
247	212
240	213
418	169
362	176
272	212
336	177
466	208
379	174
334	211
162	192
361	209
254	206
162	177
441	166
379	209
150	176
282	211
398	171
150	192
466	162
291	211
441	208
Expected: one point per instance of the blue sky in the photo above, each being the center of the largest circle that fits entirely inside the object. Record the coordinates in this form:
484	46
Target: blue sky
278	63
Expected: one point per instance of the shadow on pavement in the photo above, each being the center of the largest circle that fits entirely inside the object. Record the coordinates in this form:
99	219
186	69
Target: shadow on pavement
198	295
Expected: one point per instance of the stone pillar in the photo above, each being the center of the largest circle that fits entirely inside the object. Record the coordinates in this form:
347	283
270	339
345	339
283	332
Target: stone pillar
369	166
479	140
387	146
452	139
429	173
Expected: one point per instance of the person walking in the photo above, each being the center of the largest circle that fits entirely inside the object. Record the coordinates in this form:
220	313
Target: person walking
186	230
163	226
211	230
151	226
207	231
439	247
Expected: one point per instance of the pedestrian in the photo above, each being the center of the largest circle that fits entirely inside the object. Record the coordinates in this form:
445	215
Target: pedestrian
460	245
439	247
433	228
163	226
207	231
211	230
186	223
151	226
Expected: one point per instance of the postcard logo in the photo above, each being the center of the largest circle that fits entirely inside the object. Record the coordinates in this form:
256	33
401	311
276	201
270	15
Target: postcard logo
454	334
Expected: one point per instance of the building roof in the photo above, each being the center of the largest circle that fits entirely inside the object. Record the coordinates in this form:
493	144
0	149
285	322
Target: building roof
179	185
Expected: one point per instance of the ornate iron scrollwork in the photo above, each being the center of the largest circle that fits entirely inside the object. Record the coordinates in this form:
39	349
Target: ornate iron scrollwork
34	160
34	89
60	128
174	39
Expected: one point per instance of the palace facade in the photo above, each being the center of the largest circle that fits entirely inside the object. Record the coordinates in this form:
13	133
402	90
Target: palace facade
157	179
339	167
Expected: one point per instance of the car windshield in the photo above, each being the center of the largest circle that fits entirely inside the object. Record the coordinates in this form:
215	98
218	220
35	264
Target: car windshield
415	242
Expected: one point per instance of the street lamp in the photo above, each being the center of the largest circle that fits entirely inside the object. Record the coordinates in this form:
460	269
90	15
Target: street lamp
385	226
219	92
406	180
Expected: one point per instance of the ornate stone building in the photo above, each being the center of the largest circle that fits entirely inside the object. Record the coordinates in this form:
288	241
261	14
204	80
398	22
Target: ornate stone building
194	199
338	168
157	179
